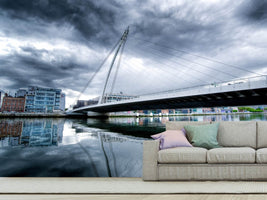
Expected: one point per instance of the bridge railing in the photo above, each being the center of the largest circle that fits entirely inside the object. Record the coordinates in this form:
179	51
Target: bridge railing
227	86
235	85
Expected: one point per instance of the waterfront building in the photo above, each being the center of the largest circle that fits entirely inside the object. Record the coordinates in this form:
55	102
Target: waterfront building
44	100
1	97
13	104
81	103
207	110
117	97
62	101
21	92
2	94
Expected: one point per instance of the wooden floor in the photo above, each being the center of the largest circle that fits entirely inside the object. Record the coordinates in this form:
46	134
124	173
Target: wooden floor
105	186
136	197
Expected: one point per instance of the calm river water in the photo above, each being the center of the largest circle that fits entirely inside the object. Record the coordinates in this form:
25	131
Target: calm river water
83	147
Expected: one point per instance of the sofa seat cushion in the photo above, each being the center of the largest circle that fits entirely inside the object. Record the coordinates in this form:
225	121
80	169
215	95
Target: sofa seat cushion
183	155
231	155
261	155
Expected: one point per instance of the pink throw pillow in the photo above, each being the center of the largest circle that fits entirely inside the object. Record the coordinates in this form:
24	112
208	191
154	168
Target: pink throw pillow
171	139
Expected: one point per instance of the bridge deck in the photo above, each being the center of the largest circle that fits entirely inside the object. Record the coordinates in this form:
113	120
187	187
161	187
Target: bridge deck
242	92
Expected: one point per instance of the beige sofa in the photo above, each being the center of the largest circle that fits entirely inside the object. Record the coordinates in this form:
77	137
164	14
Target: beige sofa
243	155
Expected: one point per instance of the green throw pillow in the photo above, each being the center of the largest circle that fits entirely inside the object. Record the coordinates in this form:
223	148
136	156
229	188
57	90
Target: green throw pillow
203	135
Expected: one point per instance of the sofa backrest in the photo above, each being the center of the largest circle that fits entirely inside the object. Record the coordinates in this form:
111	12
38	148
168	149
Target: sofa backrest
237	134
233	134
174	125
261	134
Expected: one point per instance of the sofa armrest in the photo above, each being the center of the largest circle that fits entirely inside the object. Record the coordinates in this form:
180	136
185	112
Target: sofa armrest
150	160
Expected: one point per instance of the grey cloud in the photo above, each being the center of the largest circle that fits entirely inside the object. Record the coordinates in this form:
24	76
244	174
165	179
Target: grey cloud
87	18
254	10
216	31
32	70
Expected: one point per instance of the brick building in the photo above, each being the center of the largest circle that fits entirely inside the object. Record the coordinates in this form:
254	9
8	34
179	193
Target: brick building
13	104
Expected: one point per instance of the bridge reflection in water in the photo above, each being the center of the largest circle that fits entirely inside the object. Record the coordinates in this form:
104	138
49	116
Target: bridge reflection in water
60	147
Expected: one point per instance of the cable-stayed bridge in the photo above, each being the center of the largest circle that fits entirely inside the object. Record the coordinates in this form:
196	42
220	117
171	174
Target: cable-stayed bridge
235	91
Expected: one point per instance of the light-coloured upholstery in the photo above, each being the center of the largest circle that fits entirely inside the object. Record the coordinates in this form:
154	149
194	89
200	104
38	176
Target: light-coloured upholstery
242	157
212	172
231	155
181	124
237	134
183	155
261	155
261	134
150	157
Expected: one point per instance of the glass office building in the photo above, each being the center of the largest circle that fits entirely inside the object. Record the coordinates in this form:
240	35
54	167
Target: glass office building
42	100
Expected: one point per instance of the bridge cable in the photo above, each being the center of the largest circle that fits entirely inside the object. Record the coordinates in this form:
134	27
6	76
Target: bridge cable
95	73
176	69
196	63
203	57
156	54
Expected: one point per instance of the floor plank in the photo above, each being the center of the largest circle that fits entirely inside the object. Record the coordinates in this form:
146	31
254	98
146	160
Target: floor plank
126	186
135	197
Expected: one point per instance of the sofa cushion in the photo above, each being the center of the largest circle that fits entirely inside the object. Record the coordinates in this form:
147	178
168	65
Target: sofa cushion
171	139
203	136
175	125
261	155
237	134
261	134
231	155
183	155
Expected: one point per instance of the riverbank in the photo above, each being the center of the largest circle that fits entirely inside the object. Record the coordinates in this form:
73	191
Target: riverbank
180	114
111	115
29	115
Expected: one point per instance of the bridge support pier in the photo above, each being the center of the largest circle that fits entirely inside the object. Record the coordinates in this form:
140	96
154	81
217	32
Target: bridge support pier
96	114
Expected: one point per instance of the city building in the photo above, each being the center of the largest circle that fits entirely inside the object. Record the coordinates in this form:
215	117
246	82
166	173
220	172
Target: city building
81	103
44	100
2	94
13	104
1	97
117	97
21	92
62	101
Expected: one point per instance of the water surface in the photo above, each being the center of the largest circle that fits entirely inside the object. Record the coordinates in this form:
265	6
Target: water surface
83	147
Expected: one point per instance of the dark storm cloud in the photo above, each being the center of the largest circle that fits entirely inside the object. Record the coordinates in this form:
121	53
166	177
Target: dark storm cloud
217	29
254	10
31	69
88	18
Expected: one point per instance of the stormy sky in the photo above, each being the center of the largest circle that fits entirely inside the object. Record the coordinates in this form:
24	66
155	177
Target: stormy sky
171	44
